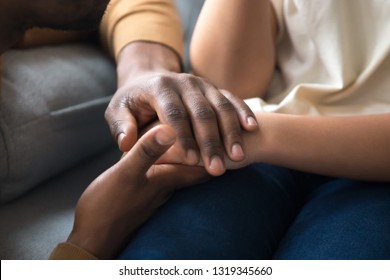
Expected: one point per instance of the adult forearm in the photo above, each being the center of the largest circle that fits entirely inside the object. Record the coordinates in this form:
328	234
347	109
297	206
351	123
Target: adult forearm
139	57
233	45
356	147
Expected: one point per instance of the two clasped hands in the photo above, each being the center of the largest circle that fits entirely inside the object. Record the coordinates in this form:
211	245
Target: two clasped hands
176	130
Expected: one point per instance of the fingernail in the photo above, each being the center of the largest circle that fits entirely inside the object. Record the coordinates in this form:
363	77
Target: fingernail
192	157
237	151
216	163
251	121
164	139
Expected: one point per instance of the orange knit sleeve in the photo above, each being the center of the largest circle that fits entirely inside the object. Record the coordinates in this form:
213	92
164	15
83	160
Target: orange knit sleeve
141	20
68	251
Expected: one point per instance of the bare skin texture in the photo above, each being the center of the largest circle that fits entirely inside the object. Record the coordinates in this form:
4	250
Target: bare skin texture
321	145
226	54
209	122
122	198
233	45
229	54
210	127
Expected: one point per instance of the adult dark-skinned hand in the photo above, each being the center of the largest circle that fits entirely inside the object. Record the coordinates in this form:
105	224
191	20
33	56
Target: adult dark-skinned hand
208	122
122	198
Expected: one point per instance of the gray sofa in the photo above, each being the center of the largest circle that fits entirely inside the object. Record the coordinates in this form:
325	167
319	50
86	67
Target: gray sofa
53	138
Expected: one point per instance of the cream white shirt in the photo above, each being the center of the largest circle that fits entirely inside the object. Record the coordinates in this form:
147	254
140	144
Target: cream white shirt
333	58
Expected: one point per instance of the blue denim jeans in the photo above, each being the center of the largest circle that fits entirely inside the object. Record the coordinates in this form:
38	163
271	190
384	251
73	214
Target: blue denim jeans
265	212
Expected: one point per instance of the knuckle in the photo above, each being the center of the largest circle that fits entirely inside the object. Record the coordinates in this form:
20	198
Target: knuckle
232	135
115	128
228	94
160	81
212	146
116	125
189	82
236	102
188	78
246	111
149	152
127	101
174	113
204	113
107	114
224	105
111	108
186	140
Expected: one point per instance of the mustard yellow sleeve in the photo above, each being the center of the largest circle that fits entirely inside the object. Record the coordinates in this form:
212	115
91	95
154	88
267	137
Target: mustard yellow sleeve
68	251
127	21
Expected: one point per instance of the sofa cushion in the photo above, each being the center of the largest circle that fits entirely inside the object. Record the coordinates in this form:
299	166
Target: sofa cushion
188	12
52	107
31	226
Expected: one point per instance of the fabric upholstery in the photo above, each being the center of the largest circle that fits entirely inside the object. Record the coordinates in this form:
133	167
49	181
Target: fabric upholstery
51	113
32	225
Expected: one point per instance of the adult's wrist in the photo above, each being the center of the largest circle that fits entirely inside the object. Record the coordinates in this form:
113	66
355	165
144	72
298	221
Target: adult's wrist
140	58
102	245
87	243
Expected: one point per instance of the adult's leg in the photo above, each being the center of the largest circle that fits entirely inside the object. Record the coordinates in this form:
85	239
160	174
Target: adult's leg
343	219
240	215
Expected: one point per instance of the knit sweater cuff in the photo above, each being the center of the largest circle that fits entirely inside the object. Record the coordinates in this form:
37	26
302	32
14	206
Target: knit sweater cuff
68	251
